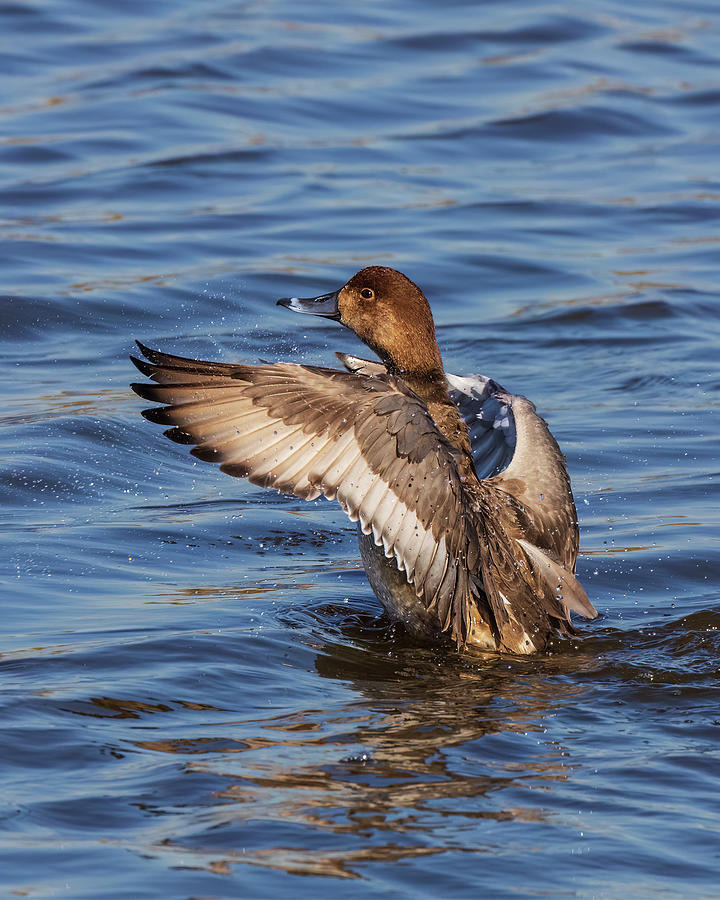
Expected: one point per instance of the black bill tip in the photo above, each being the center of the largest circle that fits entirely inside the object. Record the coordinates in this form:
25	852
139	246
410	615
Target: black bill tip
326	305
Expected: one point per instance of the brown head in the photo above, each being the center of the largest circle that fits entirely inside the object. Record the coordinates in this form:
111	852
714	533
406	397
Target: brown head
386	311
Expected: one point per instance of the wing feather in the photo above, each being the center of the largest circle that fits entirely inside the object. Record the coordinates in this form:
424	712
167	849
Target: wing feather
367	441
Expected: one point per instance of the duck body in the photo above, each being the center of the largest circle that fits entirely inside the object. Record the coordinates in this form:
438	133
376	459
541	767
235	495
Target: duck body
467	524
524	493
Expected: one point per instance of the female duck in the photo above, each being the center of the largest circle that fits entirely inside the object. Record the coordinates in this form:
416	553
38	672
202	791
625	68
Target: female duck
466	518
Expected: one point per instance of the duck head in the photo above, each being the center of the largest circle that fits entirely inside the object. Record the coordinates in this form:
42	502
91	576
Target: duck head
388	312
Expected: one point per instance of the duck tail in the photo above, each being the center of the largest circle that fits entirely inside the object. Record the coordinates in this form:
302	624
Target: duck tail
563	584
526	595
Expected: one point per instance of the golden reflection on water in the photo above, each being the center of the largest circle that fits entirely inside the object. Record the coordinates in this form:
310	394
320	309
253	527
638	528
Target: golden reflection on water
121	281
212	594
99	402
296	861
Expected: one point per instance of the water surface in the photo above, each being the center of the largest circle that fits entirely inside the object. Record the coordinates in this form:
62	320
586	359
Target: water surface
201	695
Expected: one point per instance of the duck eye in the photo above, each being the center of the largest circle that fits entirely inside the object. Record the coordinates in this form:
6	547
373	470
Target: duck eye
367	294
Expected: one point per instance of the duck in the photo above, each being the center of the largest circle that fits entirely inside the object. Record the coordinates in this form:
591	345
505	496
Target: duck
466	520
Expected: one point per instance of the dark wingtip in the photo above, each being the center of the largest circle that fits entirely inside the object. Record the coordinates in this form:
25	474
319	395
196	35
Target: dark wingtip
207	454
237	470
158	415
148	352
179	436
145	390
145	367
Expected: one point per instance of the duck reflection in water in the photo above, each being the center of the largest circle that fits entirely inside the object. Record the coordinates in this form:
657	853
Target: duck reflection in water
430	744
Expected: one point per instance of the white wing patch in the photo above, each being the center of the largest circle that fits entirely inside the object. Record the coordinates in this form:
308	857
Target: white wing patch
369	500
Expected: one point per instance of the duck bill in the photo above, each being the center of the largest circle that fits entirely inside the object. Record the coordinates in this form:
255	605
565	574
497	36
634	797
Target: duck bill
326	305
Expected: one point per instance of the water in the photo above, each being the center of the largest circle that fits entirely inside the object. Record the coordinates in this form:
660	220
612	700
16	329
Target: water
201	696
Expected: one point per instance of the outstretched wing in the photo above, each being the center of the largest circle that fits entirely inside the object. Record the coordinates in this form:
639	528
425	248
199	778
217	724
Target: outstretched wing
513	446
368	442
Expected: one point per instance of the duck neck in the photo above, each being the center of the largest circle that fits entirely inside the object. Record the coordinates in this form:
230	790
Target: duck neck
429	386
409	351
433	390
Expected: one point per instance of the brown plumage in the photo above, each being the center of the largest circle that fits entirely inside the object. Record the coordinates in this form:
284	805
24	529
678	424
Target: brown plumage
487	560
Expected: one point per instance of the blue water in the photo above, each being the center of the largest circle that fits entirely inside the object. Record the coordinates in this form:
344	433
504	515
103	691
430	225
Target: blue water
201	696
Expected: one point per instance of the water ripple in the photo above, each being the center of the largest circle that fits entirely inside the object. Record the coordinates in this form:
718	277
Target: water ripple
202	694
